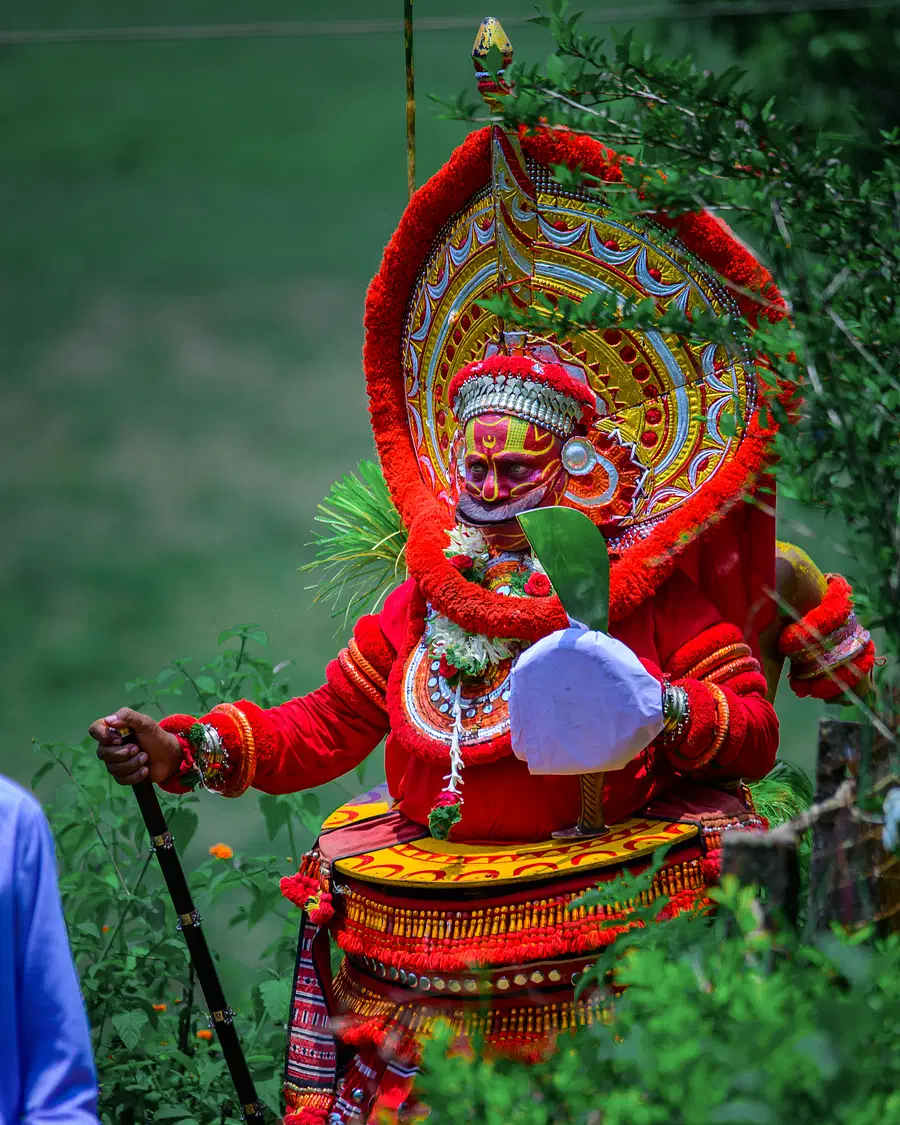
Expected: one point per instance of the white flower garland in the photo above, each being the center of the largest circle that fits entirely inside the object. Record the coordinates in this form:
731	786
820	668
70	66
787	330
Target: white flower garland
465	541
472	653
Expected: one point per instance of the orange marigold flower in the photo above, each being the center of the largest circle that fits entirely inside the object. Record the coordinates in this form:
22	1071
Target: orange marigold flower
104	929
205	1034
160	1007
221	851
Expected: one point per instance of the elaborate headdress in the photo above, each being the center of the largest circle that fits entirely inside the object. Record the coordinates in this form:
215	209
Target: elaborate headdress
662	470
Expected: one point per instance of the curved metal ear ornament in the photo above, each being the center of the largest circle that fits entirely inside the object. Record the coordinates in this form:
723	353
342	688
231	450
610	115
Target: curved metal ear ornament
579	456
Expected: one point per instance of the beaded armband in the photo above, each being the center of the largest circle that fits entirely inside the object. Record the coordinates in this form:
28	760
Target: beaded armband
241	777
363	675
829	651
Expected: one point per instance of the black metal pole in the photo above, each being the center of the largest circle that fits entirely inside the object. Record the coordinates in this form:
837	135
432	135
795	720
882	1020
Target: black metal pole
189	923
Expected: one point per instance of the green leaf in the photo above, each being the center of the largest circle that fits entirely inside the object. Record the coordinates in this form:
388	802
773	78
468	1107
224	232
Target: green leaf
276	997
130	1026
441	820
573	552
270	1092
183	824
42	771
276	813
556	70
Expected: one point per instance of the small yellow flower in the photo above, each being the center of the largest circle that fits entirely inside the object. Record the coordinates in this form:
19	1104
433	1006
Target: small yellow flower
221	851
205	1033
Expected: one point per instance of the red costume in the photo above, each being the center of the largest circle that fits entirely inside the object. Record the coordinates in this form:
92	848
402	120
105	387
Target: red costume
480	928
321	736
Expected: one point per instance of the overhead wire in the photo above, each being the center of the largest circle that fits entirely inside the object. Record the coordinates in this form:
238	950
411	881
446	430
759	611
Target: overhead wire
309	29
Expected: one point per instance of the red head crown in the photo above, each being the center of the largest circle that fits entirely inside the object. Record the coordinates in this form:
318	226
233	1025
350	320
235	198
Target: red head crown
543	393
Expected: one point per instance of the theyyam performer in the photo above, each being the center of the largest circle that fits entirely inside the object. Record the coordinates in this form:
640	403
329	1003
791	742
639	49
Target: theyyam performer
527	757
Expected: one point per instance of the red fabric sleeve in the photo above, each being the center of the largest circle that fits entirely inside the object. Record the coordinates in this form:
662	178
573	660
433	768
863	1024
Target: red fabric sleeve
298	745
308	741
315	738
691	635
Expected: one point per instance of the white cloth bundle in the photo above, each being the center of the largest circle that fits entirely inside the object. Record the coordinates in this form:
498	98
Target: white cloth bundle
581	702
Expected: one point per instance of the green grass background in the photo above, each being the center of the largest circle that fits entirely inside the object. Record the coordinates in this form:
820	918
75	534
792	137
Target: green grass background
188	231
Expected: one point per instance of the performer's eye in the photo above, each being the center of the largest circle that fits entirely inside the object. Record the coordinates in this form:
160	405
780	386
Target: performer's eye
477	470
518	470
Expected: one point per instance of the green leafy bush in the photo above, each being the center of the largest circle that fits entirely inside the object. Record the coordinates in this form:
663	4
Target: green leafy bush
720	1021
156	1057
721	1024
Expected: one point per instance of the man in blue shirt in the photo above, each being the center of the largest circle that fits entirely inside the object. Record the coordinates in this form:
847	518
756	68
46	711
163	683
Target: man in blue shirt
46	1071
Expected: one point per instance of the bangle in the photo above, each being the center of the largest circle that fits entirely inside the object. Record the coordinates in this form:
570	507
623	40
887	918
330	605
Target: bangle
211	756
676	709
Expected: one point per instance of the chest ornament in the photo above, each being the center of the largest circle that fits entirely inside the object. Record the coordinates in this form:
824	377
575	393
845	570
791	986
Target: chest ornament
454	690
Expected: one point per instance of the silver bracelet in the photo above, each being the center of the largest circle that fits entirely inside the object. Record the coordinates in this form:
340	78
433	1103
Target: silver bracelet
212	758
676	711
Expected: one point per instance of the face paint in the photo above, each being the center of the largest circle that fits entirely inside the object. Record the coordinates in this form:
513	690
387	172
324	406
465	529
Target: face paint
510	466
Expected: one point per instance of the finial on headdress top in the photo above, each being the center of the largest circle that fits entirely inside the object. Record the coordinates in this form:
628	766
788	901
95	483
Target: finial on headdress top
491	46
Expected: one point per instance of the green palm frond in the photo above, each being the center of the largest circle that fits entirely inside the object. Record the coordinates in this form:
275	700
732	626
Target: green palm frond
783	793
361	556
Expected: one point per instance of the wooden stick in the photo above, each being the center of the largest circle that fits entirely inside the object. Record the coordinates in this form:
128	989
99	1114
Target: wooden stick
163	844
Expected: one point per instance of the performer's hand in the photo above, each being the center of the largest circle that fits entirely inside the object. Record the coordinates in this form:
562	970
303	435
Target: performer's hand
146	752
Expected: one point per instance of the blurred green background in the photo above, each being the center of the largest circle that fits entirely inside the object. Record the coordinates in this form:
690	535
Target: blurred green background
188	231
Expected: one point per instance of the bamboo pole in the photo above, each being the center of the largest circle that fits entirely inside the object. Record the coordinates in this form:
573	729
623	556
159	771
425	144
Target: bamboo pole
410	97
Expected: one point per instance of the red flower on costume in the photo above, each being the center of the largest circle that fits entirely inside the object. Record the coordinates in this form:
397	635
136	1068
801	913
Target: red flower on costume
538	586
444	814
462	562
446	669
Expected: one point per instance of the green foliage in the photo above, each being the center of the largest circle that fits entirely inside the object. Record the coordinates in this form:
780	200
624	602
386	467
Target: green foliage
363	556
442	819
836	57
142	1000
783	793
720	1022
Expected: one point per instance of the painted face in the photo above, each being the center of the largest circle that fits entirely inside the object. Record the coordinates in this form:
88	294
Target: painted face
511	466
